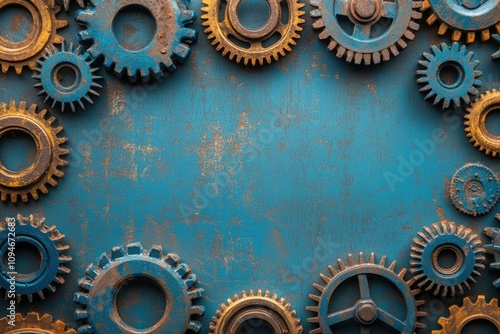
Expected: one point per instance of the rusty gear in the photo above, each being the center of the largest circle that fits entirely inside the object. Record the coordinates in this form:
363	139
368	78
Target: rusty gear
48	160
475	120
461	316
66	3
43	34
33	323
256	52
256	309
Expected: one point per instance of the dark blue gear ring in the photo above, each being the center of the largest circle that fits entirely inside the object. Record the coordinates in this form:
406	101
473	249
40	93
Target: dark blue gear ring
47	240
104	280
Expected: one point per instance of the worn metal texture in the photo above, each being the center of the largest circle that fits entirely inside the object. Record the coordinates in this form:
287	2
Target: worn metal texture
257	177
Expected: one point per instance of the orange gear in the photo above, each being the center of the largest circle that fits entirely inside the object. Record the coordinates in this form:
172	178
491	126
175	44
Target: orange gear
33	323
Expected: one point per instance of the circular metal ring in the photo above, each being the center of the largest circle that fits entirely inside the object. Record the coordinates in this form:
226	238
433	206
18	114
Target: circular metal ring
267	29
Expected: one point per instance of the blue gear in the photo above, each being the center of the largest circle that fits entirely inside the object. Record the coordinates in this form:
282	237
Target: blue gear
104	280
395	22
365	311
454	58
47	240
494	248
426	249
167	47
48	75
474	189
496	55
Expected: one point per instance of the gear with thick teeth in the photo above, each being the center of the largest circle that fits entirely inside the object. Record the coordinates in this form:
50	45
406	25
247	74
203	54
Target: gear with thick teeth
435	241
464	18
48	241
103	281
49	157
33	323
494	248
365	311
252	48
377	29
241	313
461	316
436	67
53	63
170	44
475	123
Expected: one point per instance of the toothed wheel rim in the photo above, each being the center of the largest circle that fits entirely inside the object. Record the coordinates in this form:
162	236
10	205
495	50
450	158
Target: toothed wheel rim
445	58
442	237
365	311
494	248
33	323
48	242
48	161
255	309
66	3
103	281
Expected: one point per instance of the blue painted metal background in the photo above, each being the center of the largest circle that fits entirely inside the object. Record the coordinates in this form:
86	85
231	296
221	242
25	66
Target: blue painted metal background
258	177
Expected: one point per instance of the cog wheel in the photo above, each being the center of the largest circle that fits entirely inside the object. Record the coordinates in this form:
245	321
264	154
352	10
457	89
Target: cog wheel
474	189
48	242
496	55
443	237
33	323
464	18
66	3
461	316
475	123
494	248
377	29
104	280
49	74
250	310
49	157
252	47
170	44
44	33
365	311
440	65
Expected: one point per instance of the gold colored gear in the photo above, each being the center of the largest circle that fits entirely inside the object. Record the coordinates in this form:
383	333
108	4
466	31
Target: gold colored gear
34	324
42	35
253	308
48	159
475	122
219	32
461	316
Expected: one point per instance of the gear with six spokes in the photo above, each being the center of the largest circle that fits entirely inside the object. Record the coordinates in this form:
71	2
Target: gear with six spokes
33	323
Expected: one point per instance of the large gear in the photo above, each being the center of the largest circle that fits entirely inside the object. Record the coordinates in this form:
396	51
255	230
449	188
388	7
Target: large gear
252	49
33	323
250	310
435	241
461	316
377	29
170	44
474	189
365	311
44	34
103	281
438	64
49	158
49	71
464	17
494	248
48	242
475	123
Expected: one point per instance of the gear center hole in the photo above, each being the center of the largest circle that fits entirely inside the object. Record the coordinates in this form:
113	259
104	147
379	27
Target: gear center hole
482	326
450	75
17	150
255	326
28	260
253	14
448	259
134	27
66	77
492	122
16	23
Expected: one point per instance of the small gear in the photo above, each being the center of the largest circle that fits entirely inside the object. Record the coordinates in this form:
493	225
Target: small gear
170	44
259	309
365	311
66	3
48	242
34	324
44	34
496	55
464	18
449	74
53	63
438	239
49	157
461	316
475	122
474	189
104	280
366	31
252	48
494	248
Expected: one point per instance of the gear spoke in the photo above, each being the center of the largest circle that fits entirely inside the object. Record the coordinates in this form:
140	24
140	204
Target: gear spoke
364	287
362	32
390	9
391	320
341	316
